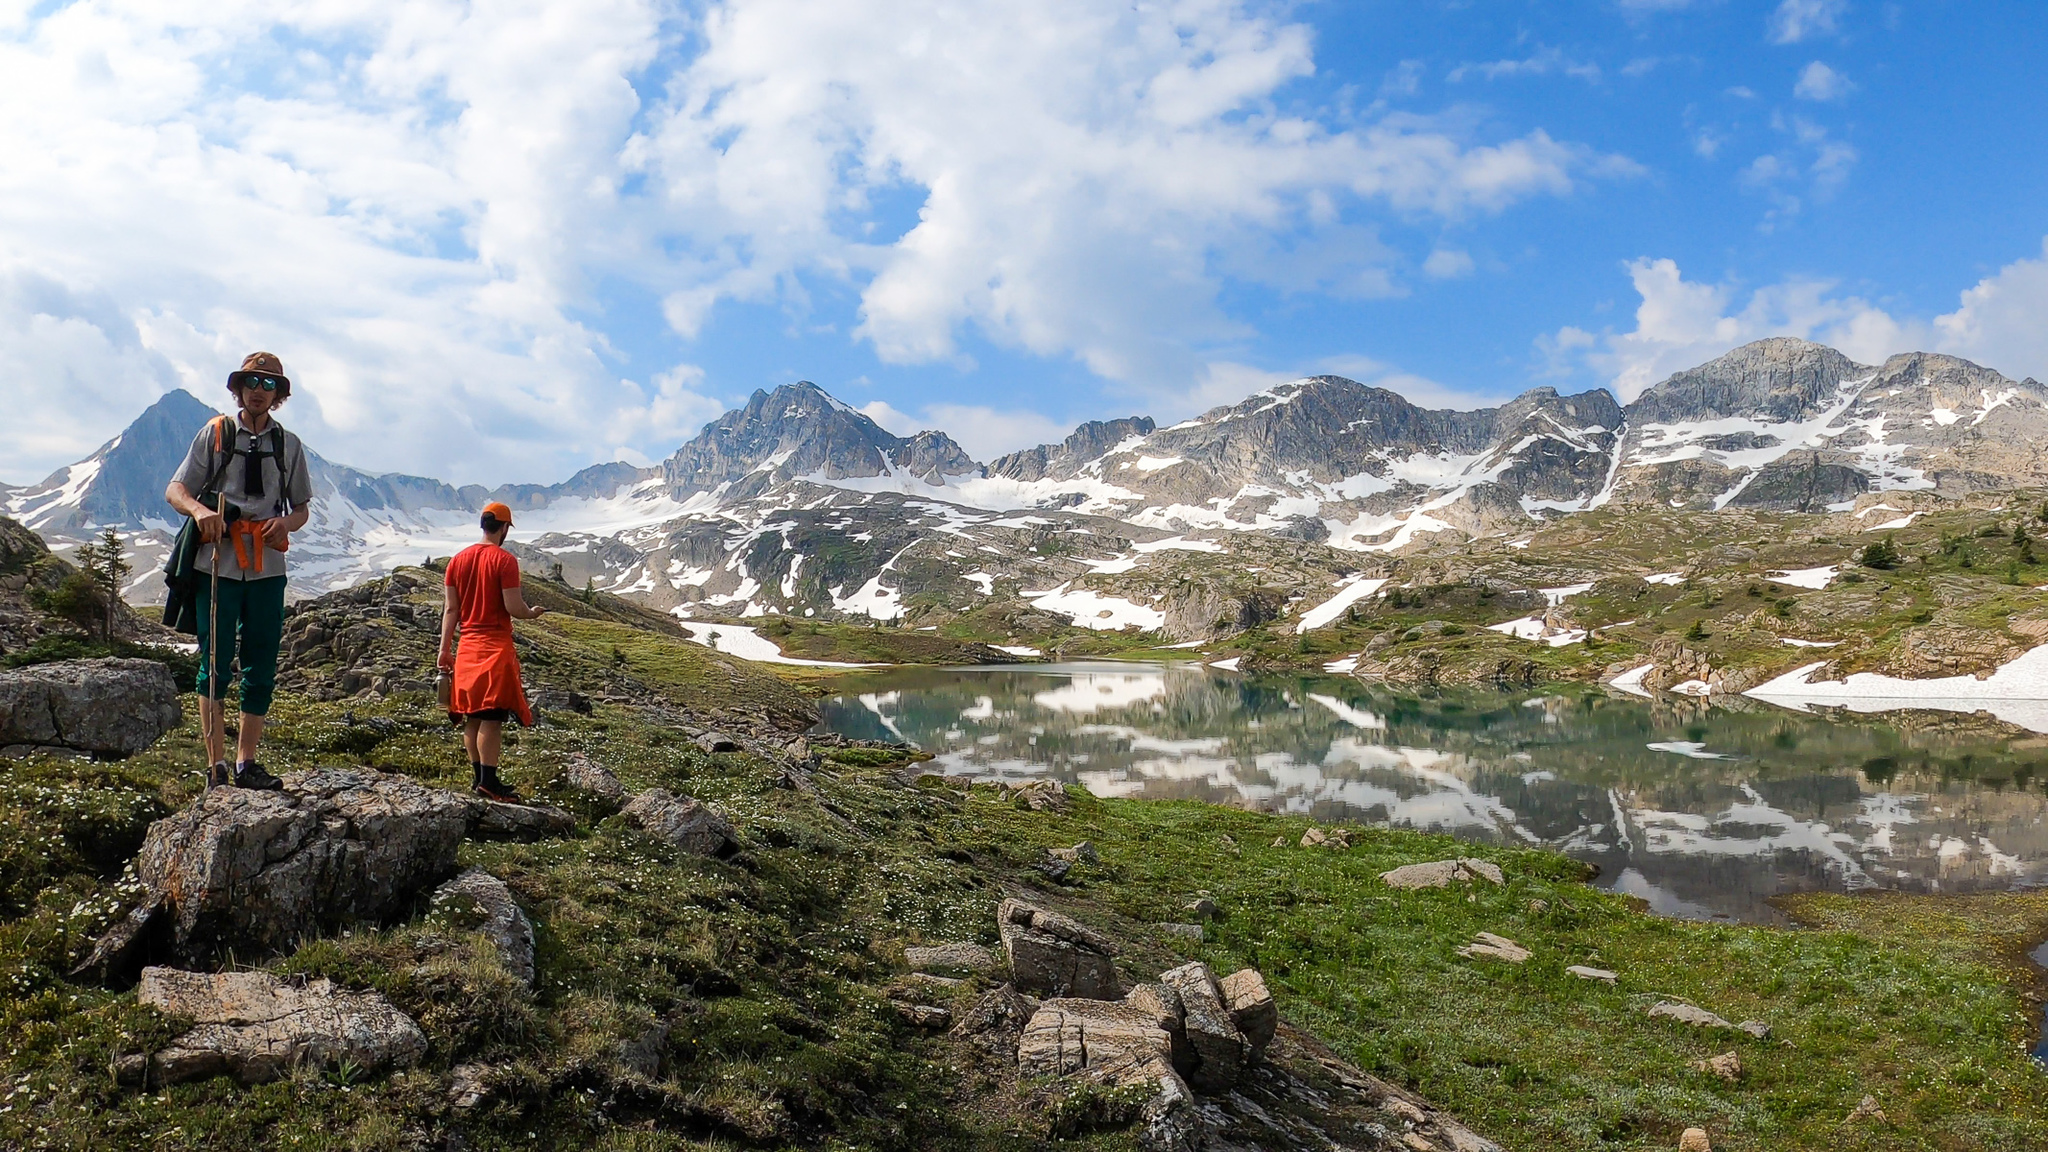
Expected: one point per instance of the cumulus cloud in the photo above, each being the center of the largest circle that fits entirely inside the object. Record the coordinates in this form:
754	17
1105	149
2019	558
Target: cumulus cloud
1082	174
1817	81
429	208
1999	321
406	208
1682	323
1796	20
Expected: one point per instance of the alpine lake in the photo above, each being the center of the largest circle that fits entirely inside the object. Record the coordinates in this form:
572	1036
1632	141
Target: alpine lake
1703	810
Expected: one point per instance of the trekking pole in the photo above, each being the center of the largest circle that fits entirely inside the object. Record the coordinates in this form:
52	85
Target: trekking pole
212	669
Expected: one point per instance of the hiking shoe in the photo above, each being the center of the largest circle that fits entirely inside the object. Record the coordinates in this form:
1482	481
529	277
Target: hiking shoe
250	774
220	775
496	790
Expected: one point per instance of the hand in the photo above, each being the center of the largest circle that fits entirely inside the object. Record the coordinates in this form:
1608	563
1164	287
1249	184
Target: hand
537	611
211	525
276	534
447	661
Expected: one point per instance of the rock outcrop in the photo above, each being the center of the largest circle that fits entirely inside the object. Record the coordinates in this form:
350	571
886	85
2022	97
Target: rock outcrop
592	779
254	873
1442	873
481	902
255	1027
107	708
688	824
1055	955
1218	1051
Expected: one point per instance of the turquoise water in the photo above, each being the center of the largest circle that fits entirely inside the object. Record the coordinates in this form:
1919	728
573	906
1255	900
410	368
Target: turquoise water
1704	811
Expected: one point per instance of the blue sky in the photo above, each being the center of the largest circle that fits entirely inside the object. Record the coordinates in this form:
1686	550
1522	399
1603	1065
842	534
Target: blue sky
501	241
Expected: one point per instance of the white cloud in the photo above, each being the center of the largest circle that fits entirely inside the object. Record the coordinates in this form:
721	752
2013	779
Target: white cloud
1544	62
408	209
1447	264
1079	171
1405	79
1999	322
984	432
1681	324
424	206
1795	20
1817	81
987	433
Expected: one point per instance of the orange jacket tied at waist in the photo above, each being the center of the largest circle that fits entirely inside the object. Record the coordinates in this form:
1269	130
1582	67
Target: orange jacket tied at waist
248	533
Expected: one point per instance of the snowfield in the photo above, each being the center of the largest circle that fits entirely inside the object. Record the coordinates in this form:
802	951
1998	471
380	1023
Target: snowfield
747	644
2016	693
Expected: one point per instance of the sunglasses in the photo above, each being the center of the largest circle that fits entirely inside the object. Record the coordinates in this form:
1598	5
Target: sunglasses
261	380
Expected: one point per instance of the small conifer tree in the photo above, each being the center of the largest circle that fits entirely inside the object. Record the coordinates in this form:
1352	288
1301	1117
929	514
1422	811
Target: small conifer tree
1883	554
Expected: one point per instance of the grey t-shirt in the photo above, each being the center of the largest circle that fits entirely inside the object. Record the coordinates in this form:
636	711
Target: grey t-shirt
287	484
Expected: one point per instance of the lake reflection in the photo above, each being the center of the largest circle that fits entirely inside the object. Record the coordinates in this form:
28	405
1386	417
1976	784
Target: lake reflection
1705	811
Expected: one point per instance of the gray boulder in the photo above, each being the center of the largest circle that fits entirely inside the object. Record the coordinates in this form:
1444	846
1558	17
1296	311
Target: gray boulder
491	820
683	822
717	742
958	958
1054	955
1251	1007
107	707
481	902
255	1027
1220	1051
254	873
591	778
1119	1045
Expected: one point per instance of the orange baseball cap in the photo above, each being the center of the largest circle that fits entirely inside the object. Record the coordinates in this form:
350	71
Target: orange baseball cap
499	511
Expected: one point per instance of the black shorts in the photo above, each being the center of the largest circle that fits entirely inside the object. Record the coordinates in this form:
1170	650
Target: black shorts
497	715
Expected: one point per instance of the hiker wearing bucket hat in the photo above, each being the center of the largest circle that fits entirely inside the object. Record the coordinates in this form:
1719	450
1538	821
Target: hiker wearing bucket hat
246	485
481	600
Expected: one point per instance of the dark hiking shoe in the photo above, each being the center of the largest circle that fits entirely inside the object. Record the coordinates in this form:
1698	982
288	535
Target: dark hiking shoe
491	788
220	775
250	774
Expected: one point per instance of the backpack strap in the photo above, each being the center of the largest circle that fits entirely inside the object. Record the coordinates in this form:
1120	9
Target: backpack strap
214	461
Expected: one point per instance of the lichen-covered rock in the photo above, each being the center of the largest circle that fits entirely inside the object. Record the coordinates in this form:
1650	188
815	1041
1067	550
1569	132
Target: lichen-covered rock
1054	955
1220	1051
480	901
1442	873
996	1021
1066	1035
254	873
688	824
1687	1014
1118	1045
108	707
964	958
717	742
1251	1006
591	778
491	820
255	1027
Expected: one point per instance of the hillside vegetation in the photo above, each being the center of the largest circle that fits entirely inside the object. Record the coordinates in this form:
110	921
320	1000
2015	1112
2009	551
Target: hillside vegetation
780	969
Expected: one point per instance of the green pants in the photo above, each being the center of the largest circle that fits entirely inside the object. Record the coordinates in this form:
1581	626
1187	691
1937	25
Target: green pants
251	620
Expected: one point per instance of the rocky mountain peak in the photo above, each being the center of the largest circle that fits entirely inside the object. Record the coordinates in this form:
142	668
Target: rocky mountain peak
1779	379
801	430
124	481
1061	461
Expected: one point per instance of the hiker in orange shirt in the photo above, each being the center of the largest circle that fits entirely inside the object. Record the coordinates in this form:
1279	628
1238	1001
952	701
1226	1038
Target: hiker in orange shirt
482	598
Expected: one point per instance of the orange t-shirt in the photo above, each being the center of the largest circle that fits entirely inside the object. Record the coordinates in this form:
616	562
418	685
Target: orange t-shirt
480	574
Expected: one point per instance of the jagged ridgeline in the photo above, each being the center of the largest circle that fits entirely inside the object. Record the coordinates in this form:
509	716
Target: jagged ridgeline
797	505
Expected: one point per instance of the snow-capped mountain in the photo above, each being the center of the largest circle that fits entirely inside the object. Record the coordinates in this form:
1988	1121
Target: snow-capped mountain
797	503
